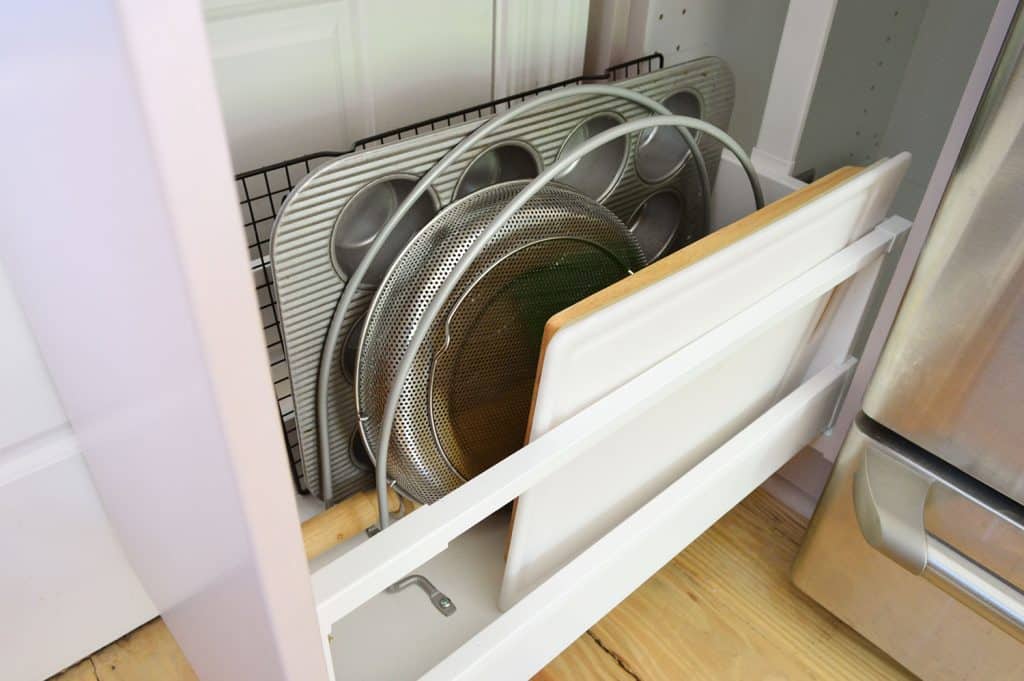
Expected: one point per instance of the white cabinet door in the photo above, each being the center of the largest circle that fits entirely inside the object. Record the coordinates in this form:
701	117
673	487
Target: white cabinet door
29	405
66	586
299	77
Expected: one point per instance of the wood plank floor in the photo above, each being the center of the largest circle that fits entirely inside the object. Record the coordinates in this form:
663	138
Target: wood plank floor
147	654
722	609
725	608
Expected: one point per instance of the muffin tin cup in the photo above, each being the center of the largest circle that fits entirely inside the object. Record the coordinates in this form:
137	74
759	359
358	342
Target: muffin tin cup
502	162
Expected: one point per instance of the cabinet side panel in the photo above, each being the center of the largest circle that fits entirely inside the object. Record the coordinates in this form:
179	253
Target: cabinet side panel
123	242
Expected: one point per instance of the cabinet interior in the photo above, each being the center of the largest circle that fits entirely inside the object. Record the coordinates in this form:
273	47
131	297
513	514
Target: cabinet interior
890	79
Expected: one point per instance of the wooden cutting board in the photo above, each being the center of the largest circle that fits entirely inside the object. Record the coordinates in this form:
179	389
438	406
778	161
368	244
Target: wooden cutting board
682	259
605	340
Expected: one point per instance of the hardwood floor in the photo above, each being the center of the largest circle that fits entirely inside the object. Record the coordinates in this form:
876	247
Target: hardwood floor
725	609
722	609
147	654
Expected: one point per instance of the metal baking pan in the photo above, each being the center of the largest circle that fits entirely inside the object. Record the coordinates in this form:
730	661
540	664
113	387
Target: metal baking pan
329	219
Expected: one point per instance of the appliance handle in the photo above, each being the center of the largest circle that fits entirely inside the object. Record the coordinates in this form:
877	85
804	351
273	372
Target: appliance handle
974	585
890	492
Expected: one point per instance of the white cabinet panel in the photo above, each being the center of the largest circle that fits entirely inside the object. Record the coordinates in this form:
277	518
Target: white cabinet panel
66	588
282	79
537	42
426	59
745	33
143	307
29	405
297	77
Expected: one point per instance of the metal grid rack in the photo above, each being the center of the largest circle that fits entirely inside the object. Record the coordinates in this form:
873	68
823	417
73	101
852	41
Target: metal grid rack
263	191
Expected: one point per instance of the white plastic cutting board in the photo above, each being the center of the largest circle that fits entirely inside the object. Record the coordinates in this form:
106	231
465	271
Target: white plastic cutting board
603	341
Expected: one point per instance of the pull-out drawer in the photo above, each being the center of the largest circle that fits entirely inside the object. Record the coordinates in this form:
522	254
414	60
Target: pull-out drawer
168	392
459	541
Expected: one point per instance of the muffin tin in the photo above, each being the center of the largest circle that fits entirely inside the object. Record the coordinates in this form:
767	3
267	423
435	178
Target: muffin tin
329	220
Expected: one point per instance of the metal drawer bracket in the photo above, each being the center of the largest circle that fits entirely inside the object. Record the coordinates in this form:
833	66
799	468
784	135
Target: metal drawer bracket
444	605
868	292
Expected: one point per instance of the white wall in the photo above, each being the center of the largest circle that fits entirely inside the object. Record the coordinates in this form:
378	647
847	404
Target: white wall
66	588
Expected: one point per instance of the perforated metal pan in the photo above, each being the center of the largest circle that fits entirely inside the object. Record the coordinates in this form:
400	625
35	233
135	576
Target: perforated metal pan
466	403
315	239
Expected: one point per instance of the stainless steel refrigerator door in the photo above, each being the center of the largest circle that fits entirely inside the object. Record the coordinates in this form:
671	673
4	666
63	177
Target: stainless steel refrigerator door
951	377
921	560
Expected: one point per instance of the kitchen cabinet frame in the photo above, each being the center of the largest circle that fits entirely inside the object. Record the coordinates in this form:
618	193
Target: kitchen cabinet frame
167	387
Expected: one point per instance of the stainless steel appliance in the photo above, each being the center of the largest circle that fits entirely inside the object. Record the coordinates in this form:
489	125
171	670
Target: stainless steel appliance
918	541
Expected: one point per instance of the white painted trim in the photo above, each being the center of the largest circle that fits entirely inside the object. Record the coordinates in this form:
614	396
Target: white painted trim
801	50
233	9
535	630
37	453
201	220
537	42
358	99
344	584
607	34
